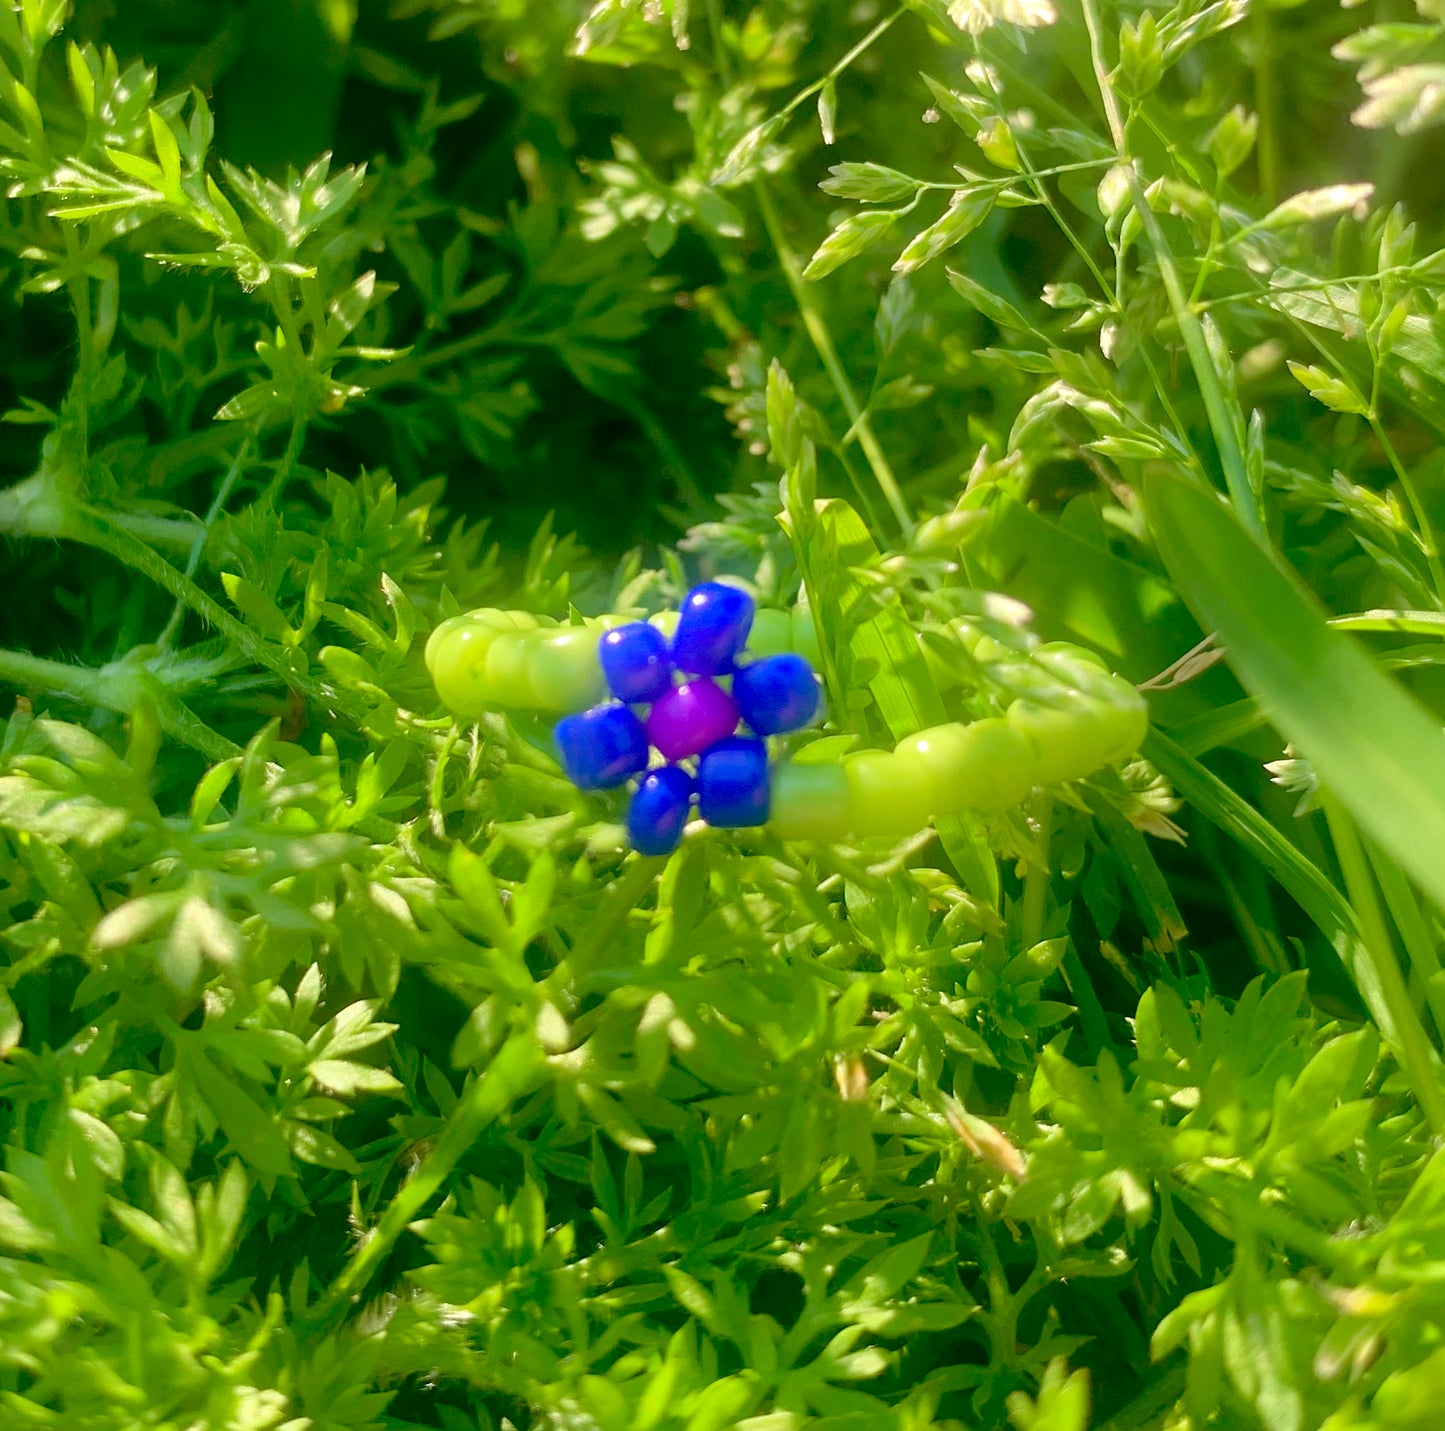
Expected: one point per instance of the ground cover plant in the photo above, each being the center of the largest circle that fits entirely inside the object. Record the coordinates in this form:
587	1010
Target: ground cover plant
353	1071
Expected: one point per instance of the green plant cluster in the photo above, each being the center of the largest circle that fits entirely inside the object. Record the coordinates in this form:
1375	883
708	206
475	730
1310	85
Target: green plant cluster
352	1072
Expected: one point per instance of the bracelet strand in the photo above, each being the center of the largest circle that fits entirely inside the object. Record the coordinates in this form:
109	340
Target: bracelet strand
1066	716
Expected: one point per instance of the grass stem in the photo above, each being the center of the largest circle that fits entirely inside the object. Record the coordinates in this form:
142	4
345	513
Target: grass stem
1224	424
1418	1059
822	339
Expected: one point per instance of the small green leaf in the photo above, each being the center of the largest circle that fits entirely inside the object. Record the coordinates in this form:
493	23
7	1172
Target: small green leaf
966	211
1335	393
1232	140
1315	204
134	920
868	183
169	154
828	110
615	1120
11	1027
250	1129
349	1079
855	234
257	608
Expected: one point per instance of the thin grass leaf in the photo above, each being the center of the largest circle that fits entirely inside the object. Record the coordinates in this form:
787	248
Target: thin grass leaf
1371	741
1328	909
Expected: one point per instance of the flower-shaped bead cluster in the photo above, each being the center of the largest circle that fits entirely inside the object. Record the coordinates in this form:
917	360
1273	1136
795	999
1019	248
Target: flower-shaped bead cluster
669	699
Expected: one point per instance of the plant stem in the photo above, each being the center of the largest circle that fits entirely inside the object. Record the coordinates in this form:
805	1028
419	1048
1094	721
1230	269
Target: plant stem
287	464
1426	529
198	543
1036	881
505	1079
621	900
828	354
81	683
1266	104
866	43
80	298
182	724
116	692
162	531
720	49
1115	292
1414	931
1226	439
95	528
1417	1058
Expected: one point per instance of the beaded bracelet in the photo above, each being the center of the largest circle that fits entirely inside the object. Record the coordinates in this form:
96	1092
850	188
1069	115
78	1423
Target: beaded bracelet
716	665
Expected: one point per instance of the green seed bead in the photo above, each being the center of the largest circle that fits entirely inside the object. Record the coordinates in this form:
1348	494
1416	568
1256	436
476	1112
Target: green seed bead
1122	712
456	656
988	650
1023	678
889	794
1064	656
1070	741
509	670
487	618
1094	682
1116	691
441	633
458	665
1128	721
985	765
565	670
771	634
810	802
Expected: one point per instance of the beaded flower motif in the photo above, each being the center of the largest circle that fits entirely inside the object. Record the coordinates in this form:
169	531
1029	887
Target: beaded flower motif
689	717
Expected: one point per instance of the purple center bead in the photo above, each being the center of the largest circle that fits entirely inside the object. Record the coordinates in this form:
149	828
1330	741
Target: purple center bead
689	718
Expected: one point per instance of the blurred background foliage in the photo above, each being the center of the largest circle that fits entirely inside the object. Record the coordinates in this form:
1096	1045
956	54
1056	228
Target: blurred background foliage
353	1075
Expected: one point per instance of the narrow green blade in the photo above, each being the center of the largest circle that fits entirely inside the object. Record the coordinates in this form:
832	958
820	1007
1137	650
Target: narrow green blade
1373	744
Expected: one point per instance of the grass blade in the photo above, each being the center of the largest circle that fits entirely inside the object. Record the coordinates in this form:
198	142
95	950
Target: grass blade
1299	877
1373	744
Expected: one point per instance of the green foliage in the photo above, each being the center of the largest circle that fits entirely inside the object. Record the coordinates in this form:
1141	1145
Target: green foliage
354	1075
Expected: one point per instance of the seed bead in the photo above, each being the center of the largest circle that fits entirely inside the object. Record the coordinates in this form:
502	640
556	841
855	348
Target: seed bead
564	670
659	810
602	748
636	662
984	765
457	656
712	629
733	784
810	801
1067	739
888	794
771	634
777	694
690	718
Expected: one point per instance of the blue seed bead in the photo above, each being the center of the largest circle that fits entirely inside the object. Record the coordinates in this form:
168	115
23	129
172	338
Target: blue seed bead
636	662
776	694
659	810
712	629
733	784
601	748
